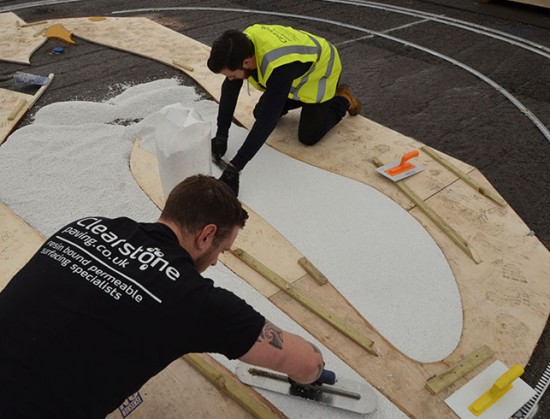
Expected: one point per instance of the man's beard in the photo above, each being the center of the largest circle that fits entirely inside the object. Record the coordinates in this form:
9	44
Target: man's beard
202	263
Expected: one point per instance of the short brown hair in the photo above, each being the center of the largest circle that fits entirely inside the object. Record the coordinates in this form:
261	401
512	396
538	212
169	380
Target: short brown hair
229	51
200	200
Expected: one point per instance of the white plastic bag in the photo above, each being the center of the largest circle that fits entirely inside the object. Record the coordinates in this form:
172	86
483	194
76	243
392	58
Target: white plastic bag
182	141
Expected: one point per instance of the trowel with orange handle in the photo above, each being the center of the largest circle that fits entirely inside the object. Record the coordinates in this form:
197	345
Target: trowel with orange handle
402	169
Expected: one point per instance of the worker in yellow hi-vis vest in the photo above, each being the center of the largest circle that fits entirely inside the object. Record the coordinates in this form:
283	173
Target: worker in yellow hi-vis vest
294	69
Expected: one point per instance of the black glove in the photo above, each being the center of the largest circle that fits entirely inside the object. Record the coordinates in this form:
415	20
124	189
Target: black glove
312	391
307	391
231	177
219	147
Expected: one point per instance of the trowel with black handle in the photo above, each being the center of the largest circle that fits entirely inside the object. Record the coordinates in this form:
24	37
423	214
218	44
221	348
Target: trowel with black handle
327	390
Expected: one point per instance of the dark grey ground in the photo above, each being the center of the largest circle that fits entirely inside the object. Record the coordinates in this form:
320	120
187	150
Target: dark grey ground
403	88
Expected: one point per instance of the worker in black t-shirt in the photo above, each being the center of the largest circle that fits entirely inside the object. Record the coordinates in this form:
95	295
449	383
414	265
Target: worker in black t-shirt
106	304
294	69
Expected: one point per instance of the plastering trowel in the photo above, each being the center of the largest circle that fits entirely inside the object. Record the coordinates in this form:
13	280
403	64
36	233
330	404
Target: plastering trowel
402	169
340	394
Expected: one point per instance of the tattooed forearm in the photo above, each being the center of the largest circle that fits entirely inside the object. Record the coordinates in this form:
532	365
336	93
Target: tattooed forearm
272	334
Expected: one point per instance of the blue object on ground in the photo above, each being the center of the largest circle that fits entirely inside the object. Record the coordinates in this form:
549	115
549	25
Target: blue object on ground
30	79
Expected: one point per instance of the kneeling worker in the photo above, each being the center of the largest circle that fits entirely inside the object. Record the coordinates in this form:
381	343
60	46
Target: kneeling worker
294	69
106	304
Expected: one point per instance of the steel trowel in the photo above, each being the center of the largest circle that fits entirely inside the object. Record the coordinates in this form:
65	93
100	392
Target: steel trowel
328	390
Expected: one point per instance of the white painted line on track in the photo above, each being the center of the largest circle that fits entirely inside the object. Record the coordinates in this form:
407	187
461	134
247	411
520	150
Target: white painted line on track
35	4
397	28
479	29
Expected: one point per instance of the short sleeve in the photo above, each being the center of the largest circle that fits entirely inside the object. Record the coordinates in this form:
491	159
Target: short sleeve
228	324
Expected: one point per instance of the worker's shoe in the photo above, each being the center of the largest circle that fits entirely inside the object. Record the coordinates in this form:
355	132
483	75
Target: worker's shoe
354	103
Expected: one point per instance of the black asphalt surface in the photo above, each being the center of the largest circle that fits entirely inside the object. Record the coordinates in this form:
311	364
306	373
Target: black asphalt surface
467	78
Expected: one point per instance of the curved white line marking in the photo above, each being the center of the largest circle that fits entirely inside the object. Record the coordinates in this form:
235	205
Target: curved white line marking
472	27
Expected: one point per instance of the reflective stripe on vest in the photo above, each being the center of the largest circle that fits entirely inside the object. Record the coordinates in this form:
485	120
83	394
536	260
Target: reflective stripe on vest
318	84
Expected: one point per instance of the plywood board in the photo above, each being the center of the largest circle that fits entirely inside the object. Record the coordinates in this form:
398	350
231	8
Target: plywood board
18	242
14	105
505	298
540	3
18	39
176	389
10	103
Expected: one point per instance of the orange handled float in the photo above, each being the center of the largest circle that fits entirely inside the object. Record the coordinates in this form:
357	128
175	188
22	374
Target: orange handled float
404	165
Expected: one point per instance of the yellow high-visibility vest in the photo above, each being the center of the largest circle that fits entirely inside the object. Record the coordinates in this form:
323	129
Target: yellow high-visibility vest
276	45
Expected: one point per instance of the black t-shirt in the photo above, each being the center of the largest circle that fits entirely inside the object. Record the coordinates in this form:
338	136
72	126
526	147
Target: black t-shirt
104	305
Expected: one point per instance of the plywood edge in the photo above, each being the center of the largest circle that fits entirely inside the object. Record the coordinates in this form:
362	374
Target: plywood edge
14	106
539	3
180	387
126	33
244	395
144	168
18	39
10	101
18	243
505	299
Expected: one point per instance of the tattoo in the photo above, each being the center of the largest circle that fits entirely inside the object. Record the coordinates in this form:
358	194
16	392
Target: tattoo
273	334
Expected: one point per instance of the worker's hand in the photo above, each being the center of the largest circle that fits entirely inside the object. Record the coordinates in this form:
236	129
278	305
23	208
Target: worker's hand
219	147
231	176
326	377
